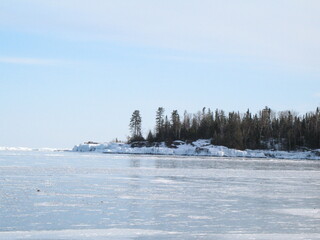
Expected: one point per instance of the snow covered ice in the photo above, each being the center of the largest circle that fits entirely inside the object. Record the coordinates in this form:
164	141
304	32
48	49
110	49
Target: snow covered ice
89	195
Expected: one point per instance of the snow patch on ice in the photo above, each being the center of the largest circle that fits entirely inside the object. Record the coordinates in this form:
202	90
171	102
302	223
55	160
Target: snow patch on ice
56	204
164	181
305	212
199	217
82	234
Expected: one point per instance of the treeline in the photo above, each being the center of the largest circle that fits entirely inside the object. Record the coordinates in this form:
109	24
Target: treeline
266	129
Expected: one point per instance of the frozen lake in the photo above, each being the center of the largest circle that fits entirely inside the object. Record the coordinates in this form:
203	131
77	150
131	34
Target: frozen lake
66	195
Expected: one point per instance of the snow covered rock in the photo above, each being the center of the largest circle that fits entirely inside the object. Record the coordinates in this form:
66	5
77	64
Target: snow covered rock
201	147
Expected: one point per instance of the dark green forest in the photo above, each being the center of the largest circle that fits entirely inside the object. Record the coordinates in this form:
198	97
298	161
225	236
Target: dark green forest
267	129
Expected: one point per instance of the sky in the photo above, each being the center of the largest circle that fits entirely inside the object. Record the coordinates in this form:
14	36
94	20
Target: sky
75	70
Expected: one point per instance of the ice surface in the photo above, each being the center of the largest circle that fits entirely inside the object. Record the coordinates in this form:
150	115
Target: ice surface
201	147
27	149
71	195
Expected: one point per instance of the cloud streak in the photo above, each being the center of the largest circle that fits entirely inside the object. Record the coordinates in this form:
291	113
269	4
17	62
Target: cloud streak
31	61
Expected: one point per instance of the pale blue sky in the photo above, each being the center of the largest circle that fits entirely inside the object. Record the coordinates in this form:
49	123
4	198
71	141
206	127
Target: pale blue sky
75	70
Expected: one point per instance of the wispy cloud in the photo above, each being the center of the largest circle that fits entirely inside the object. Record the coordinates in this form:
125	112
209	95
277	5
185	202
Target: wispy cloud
290	37
181	58
30	61
317	95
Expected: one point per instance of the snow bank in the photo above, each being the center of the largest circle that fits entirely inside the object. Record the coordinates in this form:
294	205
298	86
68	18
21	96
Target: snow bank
200	147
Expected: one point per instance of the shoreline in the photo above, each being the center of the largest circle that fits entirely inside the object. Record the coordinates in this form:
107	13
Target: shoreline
200	148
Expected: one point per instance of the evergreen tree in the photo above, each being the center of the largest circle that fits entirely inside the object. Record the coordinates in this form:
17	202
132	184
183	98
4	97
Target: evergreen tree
176	125
160	124
150	137
135	126
185	127
167	127
246	127
286	131
233	134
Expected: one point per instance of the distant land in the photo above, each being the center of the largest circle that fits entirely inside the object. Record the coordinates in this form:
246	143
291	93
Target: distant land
266	134
267	129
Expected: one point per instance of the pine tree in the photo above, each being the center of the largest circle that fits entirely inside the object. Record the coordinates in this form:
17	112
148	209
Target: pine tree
176	125
150	137
185	127
160	124
135	126
286	130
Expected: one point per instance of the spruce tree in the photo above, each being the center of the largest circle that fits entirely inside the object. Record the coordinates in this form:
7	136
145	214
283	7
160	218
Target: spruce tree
176	125
135	126
160	124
